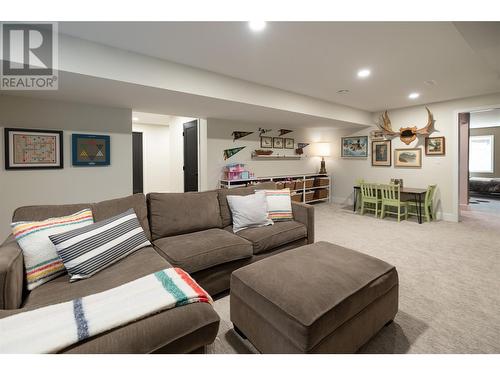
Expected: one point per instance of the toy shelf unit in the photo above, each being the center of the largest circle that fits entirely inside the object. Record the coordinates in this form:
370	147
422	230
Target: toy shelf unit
306	188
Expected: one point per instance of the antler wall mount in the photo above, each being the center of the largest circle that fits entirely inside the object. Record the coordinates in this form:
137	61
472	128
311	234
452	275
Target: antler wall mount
409	134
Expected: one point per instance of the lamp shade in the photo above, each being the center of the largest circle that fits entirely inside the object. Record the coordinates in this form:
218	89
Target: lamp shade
322	149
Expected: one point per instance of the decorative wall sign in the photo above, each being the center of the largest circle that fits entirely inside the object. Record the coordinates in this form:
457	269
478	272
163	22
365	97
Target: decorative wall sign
277	142
263	131
354	147
90	150
409	134
381	153
239	134
435	146
284	131
289	143
408	157
232	151
266	142
33	149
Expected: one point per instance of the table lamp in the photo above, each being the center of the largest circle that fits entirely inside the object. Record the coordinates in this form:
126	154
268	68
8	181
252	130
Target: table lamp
322	149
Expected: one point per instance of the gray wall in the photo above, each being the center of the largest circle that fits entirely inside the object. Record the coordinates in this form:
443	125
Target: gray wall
71	184
496	133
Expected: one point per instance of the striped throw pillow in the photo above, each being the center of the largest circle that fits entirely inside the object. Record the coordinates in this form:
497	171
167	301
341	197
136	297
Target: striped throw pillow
89	250
40	257
279	204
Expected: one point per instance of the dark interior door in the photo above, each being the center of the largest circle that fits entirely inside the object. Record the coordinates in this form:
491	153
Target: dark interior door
137	164
191	156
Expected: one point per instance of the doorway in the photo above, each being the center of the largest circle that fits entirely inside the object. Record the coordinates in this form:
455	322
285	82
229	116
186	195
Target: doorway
480	161
137	163
190	134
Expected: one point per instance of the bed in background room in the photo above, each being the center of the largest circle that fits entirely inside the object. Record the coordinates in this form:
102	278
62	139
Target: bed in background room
484	186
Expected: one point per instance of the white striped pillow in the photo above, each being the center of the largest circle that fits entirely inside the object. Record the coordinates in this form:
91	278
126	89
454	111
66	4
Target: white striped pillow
89	250
279	204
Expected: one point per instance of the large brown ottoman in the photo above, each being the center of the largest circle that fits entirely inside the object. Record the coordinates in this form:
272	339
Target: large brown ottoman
319	298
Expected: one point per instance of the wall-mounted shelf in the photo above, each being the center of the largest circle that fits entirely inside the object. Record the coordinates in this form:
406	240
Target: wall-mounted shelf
275	157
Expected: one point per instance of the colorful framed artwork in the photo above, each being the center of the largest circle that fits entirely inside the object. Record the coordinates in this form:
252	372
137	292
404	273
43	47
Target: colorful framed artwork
277	142
290	143
266	142
435	146
33	149
381	153
90	150
408	157
354	147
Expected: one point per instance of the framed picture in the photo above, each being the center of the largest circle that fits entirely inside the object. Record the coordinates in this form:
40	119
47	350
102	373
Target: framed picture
435	146
266	142
33	149
381	153
354	147
408	157
289	143
90	150
277	142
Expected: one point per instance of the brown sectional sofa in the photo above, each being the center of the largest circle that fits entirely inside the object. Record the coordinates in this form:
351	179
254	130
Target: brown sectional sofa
188	230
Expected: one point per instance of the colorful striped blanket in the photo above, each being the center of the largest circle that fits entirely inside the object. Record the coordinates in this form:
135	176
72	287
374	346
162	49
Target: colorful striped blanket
52	328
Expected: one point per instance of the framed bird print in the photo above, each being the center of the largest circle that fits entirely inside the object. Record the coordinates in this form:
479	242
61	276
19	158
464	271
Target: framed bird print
266	142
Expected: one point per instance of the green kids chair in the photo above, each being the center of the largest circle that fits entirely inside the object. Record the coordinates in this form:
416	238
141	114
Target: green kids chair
391	197
428	204
370	198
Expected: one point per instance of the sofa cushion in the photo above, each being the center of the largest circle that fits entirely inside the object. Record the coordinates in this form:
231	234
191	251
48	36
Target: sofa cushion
106	209
270	237
201	250
225	212
141	263
179	330
172	214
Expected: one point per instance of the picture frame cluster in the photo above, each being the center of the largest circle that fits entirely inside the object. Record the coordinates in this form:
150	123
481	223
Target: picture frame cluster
277	142
381	151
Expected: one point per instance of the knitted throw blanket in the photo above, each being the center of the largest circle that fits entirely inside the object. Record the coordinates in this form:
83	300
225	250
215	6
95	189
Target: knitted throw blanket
55	327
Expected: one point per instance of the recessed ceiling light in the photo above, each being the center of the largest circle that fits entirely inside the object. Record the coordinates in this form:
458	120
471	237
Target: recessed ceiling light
363	73
342	92
135	119
414	95
257	25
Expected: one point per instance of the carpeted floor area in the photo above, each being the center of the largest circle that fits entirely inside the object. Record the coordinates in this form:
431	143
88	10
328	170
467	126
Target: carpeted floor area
449	276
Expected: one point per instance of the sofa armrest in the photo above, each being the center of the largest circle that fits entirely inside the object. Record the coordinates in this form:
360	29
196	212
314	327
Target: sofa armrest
304	213
11	275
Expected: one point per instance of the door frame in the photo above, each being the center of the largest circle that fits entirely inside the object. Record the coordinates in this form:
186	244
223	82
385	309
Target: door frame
456	151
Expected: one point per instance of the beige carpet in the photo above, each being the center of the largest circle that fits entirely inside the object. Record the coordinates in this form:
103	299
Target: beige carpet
449	281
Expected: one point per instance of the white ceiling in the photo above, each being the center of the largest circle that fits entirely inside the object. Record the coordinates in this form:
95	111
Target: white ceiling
319	58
